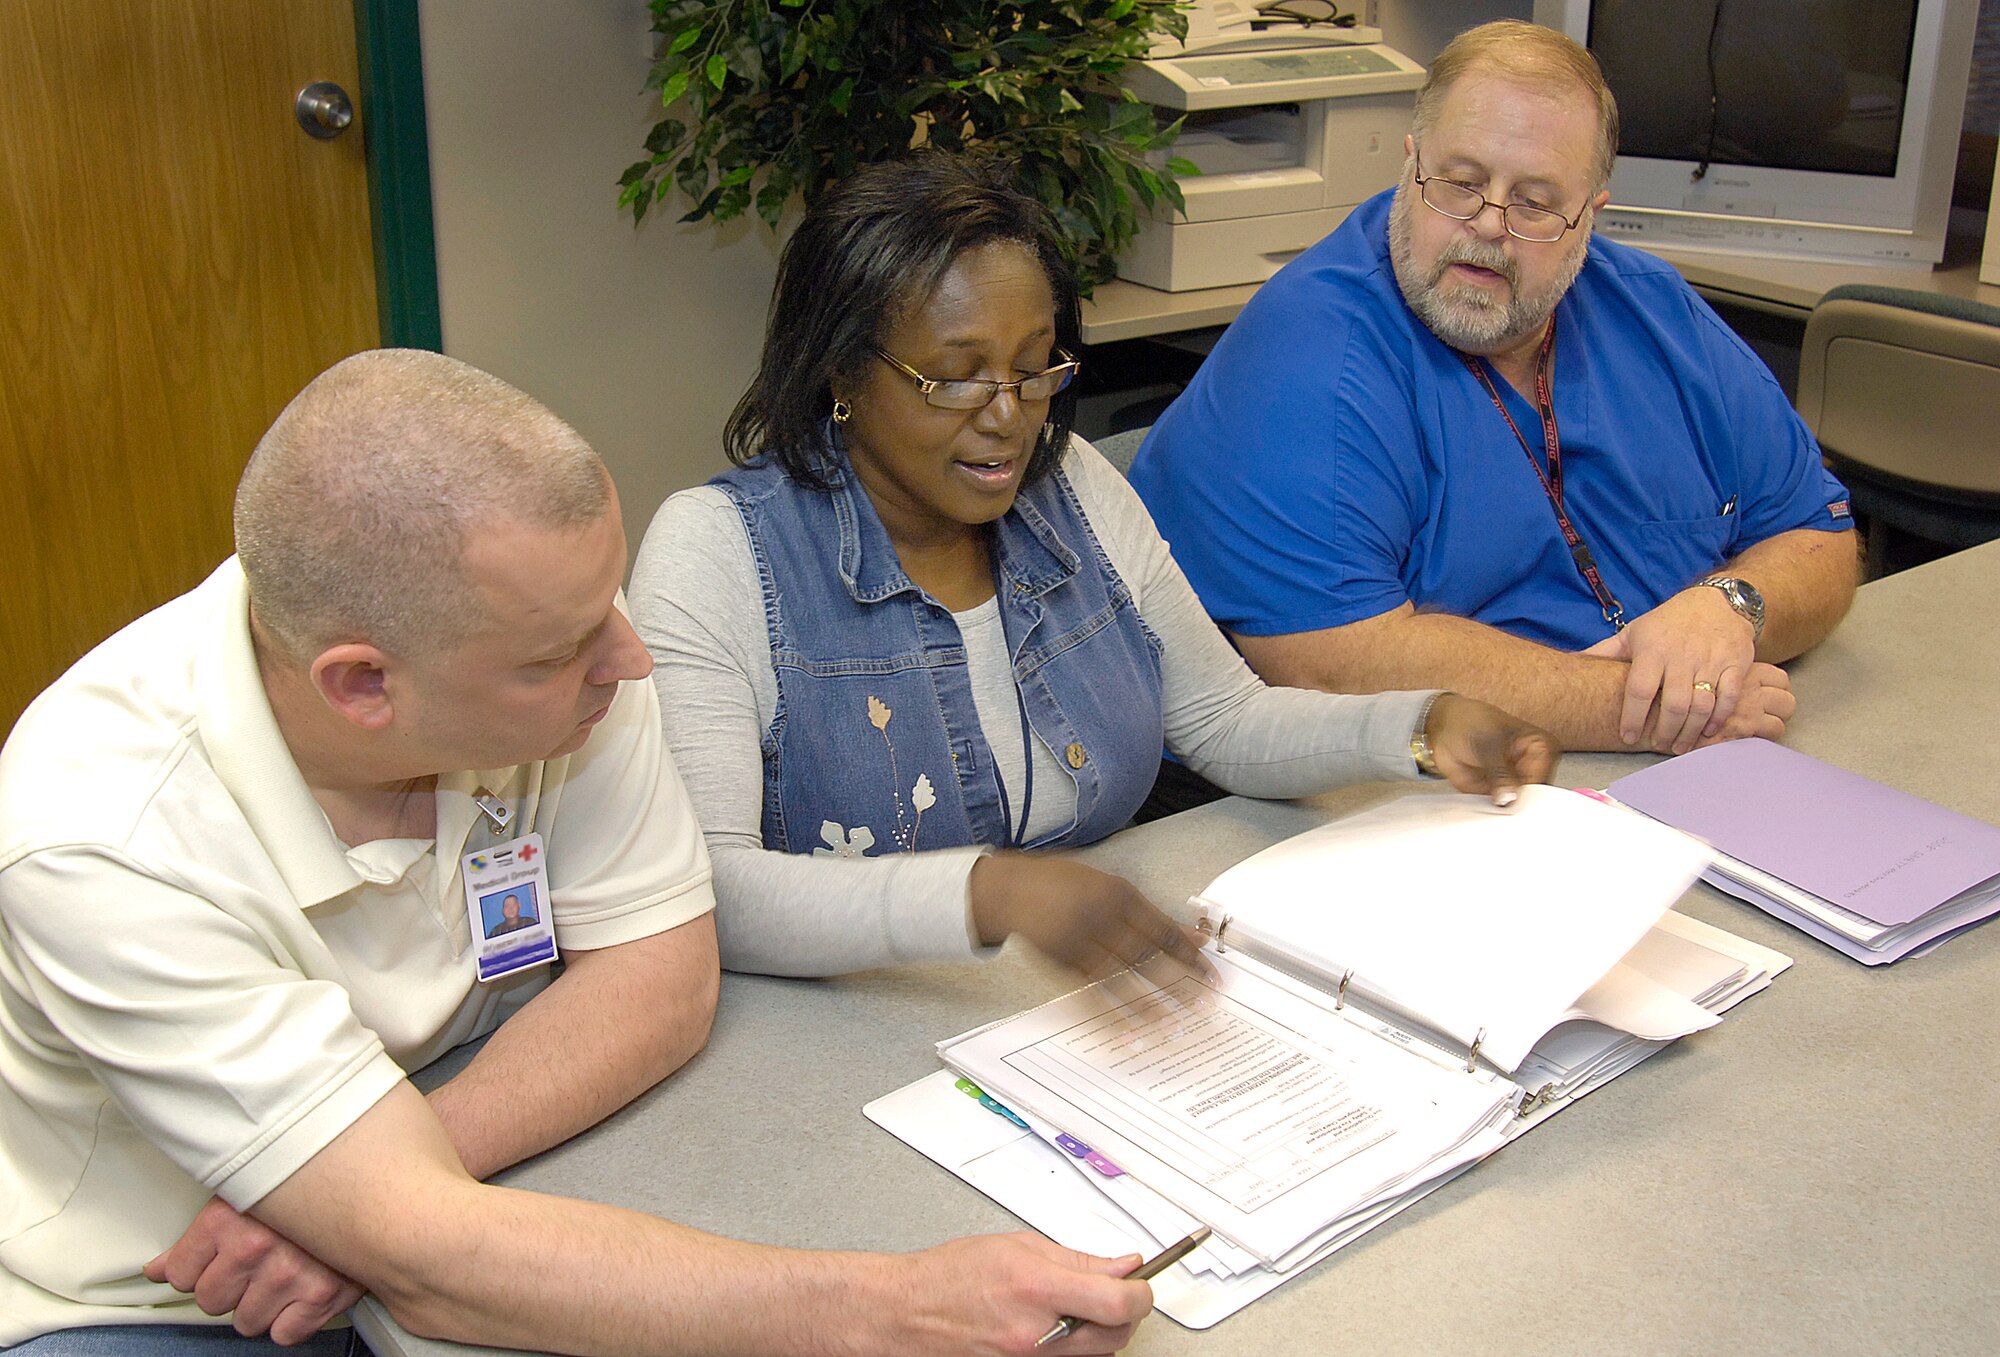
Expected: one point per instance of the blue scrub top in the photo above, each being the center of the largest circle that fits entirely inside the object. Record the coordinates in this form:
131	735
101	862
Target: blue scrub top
1333	459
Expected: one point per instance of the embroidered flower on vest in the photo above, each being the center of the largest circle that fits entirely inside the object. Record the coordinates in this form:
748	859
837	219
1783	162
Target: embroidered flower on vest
842	842
922	795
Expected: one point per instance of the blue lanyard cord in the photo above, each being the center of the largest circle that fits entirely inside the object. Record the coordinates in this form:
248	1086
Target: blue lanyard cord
1017	835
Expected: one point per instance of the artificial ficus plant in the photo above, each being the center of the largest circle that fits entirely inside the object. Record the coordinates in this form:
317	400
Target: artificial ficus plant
766	99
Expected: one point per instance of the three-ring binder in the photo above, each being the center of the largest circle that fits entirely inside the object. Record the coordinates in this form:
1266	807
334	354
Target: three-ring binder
1215	928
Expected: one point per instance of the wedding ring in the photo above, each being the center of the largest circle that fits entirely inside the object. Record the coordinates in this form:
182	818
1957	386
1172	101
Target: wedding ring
1704	686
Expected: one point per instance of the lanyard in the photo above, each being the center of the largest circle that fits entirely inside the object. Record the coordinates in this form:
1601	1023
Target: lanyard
1017	835
1552	480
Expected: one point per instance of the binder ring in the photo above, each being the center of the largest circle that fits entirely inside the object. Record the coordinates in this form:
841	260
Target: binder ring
1340	995
1472	1056
1221	928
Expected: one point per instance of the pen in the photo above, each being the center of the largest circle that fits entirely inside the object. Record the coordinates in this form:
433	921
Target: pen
1145	1272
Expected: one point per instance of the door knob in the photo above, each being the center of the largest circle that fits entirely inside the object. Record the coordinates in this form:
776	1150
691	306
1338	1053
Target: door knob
323	110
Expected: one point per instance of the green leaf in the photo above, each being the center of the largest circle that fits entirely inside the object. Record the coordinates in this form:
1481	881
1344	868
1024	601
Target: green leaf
667	132
717	69
740	175
683	40
675	87
771	202
842	96
1186	169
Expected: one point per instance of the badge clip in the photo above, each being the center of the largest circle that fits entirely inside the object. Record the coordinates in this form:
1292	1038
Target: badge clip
494	809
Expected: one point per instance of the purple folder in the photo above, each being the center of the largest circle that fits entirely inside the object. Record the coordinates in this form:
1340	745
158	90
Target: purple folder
1869	849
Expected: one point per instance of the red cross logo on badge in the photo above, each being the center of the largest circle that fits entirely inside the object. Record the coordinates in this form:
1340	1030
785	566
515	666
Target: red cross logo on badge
527	853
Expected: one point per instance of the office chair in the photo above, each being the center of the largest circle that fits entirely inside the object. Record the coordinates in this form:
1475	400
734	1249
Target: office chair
1120	448
1902	389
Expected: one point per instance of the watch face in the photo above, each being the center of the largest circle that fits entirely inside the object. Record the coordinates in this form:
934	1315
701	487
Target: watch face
1744	597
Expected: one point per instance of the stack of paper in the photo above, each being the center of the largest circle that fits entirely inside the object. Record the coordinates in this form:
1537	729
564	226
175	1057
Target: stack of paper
1876	872
1329	1072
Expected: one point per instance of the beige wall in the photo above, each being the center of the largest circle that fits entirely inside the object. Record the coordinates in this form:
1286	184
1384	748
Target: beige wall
1420	28
641	339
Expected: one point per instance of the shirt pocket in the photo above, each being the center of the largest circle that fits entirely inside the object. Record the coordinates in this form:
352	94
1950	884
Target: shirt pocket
1678	551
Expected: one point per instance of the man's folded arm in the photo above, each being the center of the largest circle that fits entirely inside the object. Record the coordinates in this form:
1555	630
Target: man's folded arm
388	1203
621	1018
1574	697
1807	578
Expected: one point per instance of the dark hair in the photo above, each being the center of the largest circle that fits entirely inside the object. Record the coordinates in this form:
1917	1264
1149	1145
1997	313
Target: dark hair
875	247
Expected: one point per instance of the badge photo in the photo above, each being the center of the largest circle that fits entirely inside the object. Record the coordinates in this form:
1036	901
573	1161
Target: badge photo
507	906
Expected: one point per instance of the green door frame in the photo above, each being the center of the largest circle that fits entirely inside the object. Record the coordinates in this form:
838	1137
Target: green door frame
399	172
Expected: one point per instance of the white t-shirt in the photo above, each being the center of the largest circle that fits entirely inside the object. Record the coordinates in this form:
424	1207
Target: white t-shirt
201	986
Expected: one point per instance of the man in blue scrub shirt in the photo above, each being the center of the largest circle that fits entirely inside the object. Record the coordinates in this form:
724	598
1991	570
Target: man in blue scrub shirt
1459	444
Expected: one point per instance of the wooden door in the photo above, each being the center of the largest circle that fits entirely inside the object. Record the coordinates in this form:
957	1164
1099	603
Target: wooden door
177	258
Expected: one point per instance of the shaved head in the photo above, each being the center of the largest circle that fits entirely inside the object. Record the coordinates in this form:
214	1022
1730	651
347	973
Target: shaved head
353	513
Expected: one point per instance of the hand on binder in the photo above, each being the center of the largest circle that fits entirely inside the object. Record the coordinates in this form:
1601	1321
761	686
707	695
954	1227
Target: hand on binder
1089	920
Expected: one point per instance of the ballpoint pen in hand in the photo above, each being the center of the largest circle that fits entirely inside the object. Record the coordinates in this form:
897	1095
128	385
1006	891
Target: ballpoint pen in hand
1145	1272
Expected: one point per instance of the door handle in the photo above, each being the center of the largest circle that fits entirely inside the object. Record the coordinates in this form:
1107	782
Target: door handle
323	110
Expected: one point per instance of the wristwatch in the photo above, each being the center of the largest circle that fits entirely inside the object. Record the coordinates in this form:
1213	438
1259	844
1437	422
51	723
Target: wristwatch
1421	752
1743	598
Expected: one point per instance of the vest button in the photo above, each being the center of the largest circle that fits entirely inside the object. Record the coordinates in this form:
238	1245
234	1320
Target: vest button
1075	755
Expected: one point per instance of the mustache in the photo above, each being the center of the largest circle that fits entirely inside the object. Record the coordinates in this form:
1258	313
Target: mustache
1481	255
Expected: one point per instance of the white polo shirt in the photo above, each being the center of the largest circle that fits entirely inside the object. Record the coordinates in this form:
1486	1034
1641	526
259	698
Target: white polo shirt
200	985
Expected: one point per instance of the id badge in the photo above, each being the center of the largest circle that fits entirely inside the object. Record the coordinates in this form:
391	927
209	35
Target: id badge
507	903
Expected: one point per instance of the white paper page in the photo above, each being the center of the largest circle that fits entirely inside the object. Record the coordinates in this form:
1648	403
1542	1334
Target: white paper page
1626	999
1858	927
1019	1172
1160	1218
1658	990
1467	917
1687	955
1760	962
1214	1099
1028	1177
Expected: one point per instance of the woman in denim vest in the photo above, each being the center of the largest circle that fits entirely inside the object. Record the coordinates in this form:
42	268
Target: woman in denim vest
920	632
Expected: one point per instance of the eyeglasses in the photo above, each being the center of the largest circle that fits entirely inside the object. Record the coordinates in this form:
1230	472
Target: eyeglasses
1461	202
976	393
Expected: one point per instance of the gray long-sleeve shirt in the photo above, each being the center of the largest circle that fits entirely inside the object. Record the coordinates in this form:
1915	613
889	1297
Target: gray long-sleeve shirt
696	601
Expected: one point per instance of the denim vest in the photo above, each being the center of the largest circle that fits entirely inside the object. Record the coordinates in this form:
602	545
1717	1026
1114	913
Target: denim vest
875	746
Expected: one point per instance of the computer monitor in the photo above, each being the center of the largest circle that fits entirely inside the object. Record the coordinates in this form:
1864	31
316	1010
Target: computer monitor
1818	129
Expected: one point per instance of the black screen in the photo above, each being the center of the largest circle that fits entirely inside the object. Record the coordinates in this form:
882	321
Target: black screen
1785	84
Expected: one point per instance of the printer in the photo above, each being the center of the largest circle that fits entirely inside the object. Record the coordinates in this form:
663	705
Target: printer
1290	126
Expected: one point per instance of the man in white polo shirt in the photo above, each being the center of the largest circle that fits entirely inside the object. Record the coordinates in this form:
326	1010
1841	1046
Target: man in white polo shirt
249	849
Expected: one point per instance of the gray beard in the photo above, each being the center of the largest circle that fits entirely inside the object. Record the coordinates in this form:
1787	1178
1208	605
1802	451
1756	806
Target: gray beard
1472	321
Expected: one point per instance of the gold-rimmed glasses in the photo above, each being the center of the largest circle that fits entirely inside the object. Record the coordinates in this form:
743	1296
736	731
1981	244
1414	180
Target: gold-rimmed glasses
1523	221
976	393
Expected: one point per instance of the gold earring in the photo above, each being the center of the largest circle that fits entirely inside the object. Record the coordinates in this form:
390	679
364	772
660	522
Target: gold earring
842	411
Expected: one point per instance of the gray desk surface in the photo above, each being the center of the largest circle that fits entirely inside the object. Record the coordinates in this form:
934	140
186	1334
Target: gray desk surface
1817	1175
1122	310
